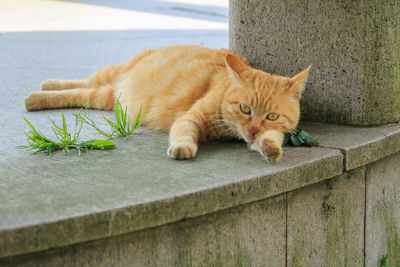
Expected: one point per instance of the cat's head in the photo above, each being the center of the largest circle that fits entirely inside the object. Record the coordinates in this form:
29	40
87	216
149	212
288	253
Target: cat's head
258	101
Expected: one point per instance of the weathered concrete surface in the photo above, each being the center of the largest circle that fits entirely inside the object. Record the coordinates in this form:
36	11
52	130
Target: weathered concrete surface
40	42
326	222
359	145
61	200
27	59
354	47
383	211
248	235
323	224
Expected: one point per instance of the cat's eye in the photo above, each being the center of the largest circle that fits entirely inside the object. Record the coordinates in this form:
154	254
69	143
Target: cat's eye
272	116
245	109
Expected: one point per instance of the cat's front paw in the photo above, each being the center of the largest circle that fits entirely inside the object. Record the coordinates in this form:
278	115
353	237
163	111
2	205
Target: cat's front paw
182	150
270	149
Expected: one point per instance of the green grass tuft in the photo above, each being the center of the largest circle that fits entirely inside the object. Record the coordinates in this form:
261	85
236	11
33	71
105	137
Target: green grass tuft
64	141
84	118
122	125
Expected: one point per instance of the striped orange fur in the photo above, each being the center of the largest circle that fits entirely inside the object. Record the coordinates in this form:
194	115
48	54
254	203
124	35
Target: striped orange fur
195	93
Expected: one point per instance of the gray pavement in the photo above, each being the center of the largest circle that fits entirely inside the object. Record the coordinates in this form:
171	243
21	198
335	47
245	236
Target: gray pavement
31	56
47	39
80	15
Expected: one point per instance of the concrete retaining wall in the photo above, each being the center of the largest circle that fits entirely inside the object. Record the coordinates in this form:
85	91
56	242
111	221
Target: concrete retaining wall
350	220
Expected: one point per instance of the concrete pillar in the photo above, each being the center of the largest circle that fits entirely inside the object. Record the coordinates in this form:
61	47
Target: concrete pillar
354	47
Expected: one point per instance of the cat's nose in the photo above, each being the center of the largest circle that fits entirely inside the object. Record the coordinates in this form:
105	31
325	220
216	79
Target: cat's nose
253	130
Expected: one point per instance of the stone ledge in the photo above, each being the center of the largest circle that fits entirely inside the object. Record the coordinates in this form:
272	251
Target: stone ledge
137	187
99	198
360	145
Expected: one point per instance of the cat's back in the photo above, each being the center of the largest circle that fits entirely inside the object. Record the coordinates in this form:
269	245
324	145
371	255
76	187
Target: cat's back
172	56
174	62
169	80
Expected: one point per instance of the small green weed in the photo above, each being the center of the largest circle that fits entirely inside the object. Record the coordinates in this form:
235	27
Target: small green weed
65	140
300	137
383	261
122	125
84	118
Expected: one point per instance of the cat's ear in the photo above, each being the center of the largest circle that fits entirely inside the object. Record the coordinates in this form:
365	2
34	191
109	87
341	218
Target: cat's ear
235	65
298	82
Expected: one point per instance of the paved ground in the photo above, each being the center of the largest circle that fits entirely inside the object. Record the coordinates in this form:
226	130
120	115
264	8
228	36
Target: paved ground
79	15
71	39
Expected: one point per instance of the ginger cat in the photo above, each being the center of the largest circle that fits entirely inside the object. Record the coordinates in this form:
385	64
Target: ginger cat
195	93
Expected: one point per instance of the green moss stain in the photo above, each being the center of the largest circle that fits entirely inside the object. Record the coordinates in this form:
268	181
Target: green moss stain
337	224
382	63
298	247
335	215
332	231
328	207
361	171
185	246
219	245
383	261
337	209
241	256
392	235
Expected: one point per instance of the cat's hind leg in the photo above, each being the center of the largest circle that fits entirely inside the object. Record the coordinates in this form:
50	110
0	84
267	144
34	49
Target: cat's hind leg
56	85
95	98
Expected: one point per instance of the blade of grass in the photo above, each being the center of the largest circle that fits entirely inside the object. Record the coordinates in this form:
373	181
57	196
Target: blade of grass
122	125
38	142
87	120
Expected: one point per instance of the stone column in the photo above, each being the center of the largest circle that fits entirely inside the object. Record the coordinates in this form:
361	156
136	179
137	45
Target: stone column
354	47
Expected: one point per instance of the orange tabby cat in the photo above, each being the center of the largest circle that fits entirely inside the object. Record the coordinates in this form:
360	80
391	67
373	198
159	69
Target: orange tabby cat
196	93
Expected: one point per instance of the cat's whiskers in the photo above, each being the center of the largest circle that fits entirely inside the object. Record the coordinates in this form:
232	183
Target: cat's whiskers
221	123
222	127
229	131
221	130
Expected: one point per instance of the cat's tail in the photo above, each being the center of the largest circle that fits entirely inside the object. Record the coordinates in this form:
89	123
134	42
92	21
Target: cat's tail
95	98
